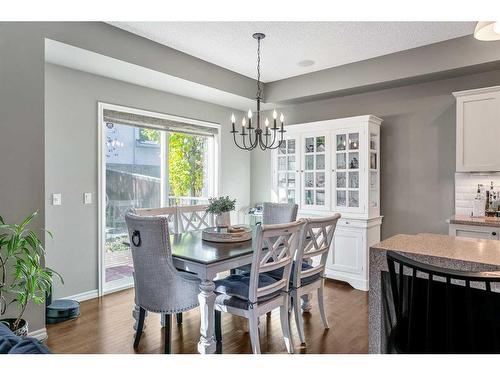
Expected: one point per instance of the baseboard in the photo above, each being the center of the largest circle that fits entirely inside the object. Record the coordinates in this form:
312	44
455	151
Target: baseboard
118	288
83	296
40	334
355	282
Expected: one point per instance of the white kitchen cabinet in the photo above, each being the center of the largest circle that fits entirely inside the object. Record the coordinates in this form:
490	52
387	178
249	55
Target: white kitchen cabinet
478	130
474	231
334	166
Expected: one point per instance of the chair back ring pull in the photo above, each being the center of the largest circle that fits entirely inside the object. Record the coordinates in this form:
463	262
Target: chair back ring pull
136	238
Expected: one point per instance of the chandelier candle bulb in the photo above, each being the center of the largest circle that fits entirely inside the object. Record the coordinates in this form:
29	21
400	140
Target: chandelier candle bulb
233	120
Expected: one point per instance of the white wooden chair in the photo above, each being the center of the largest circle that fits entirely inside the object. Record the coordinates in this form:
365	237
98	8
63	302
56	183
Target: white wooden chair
194	218
255	294
308	278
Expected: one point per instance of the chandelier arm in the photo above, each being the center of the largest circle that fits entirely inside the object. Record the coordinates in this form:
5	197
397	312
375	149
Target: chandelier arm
250	136
279	143
251	146
236	142
274	138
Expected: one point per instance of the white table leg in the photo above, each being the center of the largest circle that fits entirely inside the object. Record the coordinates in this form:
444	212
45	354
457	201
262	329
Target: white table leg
206	298
306	302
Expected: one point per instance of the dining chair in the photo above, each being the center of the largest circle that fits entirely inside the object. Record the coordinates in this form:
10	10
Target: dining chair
255	294
308	278
194	218
439	310
159	286
273	213
172	215
278	213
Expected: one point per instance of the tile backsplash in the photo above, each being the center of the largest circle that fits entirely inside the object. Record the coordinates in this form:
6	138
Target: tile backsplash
466	188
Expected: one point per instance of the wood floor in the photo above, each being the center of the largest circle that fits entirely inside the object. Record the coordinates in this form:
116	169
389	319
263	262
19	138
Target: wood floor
105	326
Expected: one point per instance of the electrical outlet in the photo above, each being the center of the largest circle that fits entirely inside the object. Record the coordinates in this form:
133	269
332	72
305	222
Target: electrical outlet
87	198
56	199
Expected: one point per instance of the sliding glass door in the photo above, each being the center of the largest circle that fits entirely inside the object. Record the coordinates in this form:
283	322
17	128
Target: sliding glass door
148	168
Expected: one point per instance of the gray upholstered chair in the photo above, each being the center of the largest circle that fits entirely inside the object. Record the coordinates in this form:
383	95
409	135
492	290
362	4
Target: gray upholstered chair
255	294
316	241
159	286
172	215
278	213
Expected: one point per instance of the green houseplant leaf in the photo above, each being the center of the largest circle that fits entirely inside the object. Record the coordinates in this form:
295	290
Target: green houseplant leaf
220	205
22	251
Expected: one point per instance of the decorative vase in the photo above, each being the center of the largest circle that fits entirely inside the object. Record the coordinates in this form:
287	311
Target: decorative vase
223	220
21	331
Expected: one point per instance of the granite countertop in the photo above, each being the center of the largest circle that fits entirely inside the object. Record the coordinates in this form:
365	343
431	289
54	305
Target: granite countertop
442	246
475	220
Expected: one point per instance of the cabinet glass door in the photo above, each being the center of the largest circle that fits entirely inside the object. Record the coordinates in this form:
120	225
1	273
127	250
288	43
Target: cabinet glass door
374	170
314	171
347	170
287	170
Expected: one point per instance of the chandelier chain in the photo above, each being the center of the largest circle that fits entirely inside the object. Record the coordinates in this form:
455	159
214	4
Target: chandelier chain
258	68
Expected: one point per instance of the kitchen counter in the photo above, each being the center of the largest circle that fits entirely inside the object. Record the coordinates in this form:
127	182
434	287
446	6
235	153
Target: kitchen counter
460	253
475	220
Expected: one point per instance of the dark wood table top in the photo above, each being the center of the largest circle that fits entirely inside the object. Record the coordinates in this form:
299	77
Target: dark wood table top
192	247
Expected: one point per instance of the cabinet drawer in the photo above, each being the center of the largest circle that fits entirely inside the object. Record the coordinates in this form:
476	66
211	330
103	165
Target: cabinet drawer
475	231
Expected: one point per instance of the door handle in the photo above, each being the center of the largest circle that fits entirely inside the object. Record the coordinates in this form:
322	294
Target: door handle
494	233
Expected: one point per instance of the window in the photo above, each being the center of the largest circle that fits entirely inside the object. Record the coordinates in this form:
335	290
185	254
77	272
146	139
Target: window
145	167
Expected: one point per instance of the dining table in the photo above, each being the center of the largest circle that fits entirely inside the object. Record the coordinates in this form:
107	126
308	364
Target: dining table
207	259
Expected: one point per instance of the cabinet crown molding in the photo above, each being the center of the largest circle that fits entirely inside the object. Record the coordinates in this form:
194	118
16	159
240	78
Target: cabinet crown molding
343	120
483	90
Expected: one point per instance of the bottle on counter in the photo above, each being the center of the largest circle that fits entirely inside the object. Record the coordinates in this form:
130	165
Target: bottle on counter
479	203
490	198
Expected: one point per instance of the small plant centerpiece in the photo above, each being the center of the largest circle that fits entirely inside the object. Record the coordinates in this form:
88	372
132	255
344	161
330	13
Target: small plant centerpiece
21	251
220	208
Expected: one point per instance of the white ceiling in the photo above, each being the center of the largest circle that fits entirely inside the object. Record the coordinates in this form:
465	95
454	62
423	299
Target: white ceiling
328	44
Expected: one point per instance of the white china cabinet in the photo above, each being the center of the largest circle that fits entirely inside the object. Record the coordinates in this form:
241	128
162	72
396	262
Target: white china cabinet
334	166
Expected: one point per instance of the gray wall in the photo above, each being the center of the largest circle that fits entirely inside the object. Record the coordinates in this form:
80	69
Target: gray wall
22	135
71	98
22	187
417	148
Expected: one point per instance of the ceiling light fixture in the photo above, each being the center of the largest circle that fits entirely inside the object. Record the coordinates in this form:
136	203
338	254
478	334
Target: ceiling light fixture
256	136
487	30
305	63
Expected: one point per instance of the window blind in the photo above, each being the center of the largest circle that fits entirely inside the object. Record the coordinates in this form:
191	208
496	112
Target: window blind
143	121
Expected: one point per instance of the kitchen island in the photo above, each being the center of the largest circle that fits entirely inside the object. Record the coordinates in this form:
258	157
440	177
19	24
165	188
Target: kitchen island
460	253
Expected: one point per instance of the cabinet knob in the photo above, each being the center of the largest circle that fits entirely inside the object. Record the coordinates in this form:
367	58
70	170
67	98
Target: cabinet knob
494	233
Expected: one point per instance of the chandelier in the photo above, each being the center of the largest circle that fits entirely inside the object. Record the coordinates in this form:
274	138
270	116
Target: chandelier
252	133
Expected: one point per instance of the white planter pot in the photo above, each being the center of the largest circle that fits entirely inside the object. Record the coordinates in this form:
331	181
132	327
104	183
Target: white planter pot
223	220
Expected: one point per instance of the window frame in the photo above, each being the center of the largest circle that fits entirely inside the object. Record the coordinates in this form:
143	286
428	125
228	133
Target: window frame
213	171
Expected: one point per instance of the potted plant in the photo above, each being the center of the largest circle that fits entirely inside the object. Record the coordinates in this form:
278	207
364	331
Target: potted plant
21	251
220	208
